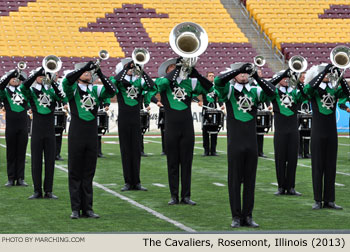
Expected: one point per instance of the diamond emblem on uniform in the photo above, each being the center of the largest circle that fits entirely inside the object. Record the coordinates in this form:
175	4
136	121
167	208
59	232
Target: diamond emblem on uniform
132	92
44	100
245	103
88	102
17	98
327	101
211	94
179	93
286	100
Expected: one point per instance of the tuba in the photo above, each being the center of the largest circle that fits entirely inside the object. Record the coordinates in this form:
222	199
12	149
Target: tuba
140	57
188	40
297	65
51	64
340	58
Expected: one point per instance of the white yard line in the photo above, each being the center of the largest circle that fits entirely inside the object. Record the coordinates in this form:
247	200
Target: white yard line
132	202
159	185
218	184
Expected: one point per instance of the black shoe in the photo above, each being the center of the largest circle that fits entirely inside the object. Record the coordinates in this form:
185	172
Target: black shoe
188	201
163	153
300	156
174	201
214	154
262	155
280	191
126	187
75	215
90	214
100	155
36	195
10	183
307	156
21	182
236	222
59	158
332	205
293	192
248	222
317	205
206	153
143	154
139	187
50	195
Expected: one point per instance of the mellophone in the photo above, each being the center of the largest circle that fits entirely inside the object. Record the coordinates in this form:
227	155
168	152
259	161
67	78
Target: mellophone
144	120
213	120
263	121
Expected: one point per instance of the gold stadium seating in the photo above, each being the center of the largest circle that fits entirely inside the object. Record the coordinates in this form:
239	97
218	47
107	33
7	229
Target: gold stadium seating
300	21
52	26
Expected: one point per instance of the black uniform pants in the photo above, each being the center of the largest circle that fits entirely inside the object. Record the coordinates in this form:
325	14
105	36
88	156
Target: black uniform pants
242	157
162	134
209	141
304	143
43	142
324	149
16	134
99	145
260	138
179	145
286	157
82	159
130	146
59	135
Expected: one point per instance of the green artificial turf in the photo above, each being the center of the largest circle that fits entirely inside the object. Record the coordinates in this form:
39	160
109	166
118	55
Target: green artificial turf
211	214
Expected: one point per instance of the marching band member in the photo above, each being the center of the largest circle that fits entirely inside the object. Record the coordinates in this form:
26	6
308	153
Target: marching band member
176	95
286	136
324	137
304	136
129	85
241	104
42	95
60	106
84	99
210	140
104	105
16	105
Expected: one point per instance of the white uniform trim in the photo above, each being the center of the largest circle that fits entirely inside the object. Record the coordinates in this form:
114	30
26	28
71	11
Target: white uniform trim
99	89
194	83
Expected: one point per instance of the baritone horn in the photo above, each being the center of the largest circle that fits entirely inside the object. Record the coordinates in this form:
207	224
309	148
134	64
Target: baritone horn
140	57
340	58
51	64
188	40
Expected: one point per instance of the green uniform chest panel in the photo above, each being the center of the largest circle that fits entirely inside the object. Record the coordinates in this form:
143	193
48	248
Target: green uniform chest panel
43	101
16	100
244	104
326	102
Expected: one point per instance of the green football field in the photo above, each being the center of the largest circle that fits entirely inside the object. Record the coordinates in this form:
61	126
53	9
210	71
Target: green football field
137	211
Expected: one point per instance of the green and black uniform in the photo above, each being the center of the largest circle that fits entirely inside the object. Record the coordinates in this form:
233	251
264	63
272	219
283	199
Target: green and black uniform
324	136
16	134
304	135
242	150
84	100
209	140
176	95
129	90
42	99
286	136
105	103
59	130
